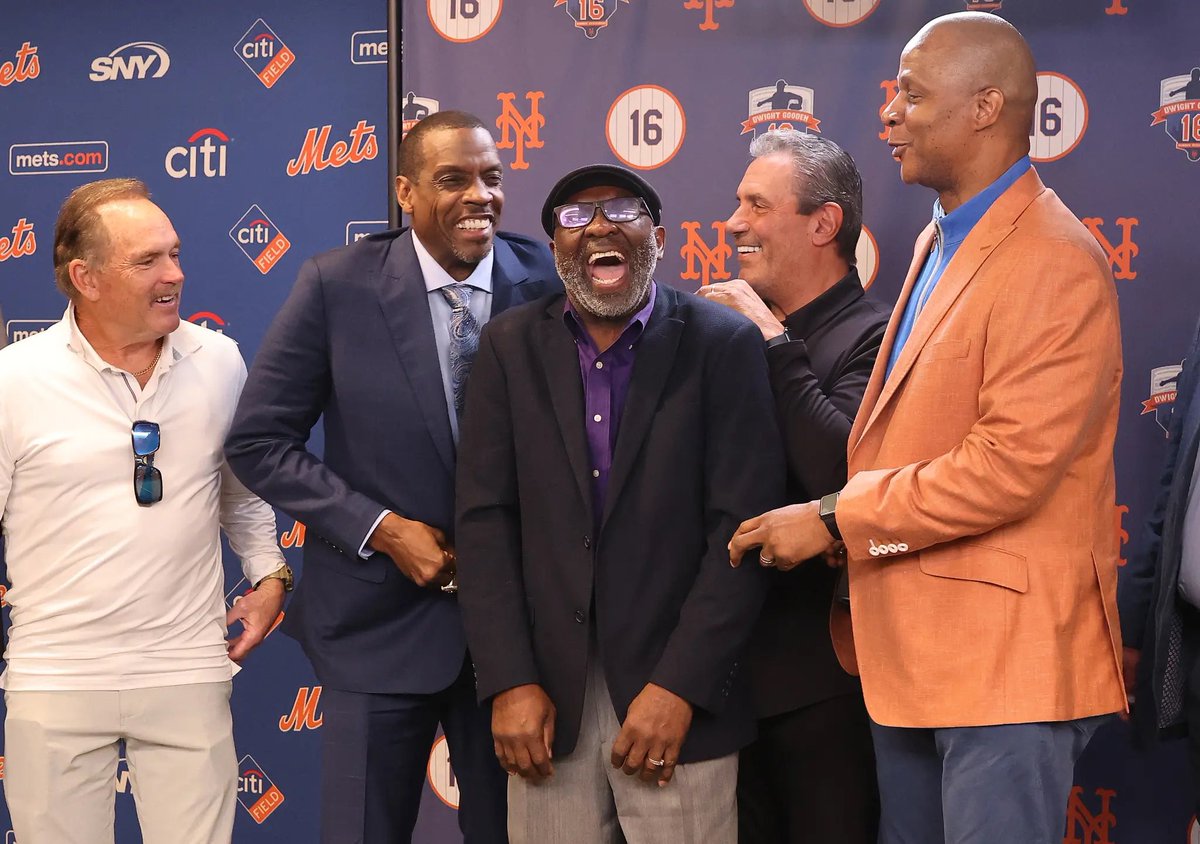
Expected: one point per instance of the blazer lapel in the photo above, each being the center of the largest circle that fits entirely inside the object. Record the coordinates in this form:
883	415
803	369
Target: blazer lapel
405	305
560	363
507	271
651	368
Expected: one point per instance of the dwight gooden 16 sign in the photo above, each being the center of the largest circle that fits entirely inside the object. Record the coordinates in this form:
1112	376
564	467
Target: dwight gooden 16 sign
645	127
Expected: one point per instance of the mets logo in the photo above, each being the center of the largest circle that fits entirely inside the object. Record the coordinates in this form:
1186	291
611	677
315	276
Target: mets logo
304	715
414	110
1120	255
313	154
519	131
1179	112
255	791
1086	827
781	106
209	320
264	53
1061	117
890	88
703	262
709	6
293	538
26	67
1119	513
1164	386
590	15
23	241
463	20
645	126
259	239
441	775
841	13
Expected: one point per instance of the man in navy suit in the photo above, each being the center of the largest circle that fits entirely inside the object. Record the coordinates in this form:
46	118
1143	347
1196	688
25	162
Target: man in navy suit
1160	593
377	338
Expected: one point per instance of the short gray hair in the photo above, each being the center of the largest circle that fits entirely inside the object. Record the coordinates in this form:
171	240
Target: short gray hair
822	172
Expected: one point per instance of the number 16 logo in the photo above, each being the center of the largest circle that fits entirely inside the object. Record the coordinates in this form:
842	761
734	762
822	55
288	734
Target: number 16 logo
645	127
463	20
1060	119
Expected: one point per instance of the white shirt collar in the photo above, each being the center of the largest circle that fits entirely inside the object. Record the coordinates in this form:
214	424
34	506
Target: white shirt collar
436	277
175	346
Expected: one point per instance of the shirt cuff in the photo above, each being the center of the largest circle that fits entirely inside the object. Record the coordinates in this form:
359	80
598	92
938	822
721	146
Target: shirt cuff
366	551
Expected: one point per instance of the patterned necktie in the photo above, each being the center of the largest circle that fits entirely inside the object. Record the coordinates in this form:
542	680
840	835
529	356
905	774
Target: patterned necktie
464	339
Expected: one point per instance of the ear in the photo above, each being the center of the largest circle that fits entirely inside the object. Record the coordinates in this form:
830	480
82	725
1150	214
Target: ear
989	103
826	223
660	237
84	279
404	189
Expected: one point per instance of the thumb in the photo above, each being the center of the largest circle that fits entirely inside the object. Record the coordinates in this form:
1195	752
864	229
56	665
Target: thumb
548	733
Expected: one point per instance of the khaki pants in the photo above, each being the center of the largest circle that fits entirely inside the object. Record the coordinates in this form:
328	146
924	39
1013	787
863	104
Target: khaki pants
61	753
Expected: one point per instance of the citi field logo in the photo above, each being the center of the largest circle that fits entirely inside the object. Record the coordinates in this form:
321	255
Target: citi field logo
1179	112
369	47
209	320
356	230
259	239
255	791
591	16
780	106
264	53
314	154
414	110
520	131
304	715
702	262
463	20
53	157
709	8
1120	254
22	242
441	775
1164	386
135	60
1085	826
23	329
27	66
293	538
841	13
204	155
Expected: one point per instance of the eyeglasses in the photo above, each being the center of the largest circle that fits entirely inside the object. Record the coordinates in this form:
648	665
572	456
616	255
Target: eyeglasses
147	481
619	209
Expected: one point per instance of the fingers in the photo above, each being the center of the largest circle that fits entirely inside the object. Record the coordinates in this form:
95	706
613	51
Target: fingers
620	748
749	534
654	762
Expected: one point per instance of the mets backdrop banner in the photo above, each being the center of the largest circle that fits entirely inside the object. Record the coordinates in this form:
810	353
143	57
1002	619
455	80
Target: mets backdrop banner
260	127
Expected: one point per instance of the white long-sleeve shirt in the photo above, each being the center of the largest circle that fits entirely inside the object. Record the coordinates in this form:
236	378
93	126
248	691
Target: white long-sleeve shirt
107	594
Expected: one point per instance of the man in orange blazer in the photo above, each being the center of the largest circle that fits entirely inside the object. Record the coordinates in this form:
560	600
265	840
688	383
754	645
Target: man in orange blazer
977	520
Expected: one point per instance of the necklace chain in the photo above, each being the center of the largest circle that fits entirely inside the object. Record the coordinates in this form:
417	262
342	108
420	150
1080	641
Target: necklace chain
153	363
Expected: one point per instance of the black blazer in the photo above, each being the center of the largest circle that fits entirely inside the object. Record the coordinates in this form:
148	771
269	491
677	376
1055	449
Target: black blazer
697	452
354	345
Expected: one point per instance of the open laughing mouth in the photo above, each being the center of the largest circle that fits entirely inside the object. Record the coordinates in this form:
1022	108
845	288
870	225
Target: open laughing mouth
607	270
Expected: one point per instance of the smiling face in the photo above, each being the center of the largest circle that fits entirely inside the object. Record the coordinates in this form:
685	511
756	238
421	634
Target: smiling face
132	289
607	267
456	199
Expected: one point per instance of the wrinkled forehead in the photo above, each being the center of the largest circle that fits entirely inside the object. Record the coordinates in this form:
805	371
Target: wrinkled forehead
599	193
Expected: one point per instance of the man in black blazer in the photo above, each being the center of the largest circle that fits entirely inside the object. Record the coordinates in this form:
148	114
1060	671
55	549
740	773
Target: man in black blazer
377	339
810	776
611	442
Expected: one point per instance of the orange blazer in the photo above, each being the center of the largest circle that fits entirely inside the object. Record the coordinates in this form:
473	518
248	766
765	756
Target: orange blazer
979	512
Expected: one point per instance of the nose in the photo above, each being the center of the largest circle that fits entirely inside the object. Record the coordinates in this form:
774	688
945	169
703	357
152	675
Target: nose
479	193
890	115
599	225
736	224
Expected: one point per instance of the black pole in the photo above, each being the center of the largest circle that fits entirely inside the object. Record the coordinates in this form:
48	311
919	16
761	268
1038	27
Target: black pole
395	93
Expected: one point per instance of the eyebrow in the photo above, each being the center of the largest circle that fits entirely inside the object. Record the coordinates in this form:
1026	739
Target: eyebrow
150	253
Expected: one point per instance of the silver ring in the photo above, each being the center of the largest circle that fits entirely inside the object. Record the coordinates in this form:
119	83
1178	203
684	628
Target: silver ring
766	561
655	763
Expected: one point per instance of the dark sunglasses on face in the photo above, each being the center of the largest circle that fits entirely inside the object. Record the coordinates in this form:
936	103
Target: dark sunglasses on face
147	480
619	209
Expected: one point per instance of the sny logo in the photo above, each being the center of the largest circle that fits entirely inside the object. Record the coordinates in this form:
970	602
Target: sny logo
1120	257
362	147
201	154
304	711
131	61
1179	101
704	263
23	241
1164	386
259	239
1084	827
257	794
27	66
415	110
781	106
709	23
264	52
590	15
517	130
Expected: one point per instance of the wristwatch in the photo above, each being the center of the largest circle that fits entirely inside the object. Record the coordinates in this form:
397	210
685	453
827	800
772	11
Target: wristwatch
283	573
779	339
827	514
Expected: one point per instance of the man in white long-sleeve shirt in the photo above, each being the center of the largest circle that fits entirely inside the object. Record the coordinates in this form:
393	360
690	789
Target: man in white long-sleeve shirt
113	491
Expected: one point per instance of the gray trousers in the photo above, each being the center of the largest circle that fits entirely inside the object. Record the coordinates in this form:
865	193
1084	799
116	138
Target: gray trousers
588	801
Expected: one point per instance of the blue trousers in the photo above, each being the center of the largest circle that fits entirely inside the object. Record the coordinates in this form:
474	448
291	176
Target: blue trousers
375	750
978	785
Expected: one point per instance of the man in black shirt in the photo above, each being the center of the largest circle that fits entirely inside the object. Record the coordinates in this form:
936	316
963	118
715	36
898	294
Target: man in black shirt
810	777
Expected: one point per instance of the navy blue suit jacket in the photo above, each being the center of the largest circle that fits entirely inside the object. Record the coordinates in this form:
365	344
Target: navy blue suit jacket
1152	618
354	343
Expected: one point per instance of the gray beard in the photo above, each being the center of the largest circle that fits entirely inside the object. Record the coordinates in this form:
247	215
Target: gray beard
471	258
574	272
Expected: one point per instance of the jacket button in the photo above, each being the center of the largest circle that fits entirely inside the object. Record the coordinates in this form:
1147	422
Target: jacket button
579	616
587	542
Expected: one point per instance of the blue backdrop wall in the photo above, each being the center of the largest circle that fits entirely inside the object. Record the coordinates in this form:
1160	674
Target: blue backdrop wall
261	129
